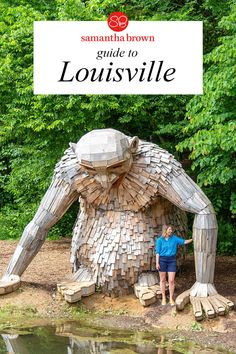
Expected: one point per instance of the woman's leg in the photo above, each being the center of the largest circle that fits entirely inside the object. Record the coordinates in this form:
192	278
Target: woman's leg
163	286
171	281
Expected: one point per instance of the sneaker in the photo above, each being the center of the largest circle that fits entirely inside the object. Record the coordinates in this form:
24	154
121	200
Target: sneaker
163	302
172	303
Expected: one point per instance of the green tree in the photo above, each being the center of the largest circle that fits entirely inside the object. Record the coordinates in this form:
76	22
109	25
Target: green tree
210	126
36	129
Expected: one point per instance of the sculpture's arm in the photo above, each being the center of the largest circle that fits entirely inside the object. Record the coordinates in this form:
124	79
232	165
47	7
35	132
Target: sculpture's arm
181	190
58	198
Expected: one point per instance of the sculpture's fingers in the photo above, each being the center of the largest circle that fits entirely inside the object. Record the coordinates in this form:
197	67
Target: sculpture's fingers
73	290
197	308
182	300
224	301
9	284
146	296
207	307
218	306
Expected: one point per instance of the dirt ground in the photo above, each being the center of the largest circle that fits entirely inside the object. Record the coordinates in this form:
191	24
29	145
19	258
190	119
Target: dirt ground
51	265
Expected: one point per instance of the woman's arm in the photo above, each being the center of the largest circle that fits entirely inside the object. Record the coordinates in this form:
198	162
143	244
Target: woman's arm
188	241
158	249
158	261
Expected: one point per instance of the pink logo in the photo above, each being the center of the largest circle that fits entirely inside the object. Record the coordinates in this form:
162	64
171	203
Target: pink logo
117	21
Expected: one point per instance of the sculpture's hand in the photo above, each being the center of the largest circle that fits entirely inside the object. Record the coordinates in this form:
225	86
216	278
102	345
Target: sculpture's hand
211	305
9	283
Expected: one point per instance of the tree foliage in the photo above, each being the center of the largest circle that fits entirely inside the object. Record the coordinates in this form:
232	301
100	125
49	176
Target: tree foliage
36	129
211	125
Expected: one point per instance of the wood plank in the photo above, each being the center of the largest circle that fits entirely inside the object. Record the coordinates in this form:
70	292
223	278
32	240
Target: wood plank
147	297
225	301
208	308
197	308
218	307
182	300
72	296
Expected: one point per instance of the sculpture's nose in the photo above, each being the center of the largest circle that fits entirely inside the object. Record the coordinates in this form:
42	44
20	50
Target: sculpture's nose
106	180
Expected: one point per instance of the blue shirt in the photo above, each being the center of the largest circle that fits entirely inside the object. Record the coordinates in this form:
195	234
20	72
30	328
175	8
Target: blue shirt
168	247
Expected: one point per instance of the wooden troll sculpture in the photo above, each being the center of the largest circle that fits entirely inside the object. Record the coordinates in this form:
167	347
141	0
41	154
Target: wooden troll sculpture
127	190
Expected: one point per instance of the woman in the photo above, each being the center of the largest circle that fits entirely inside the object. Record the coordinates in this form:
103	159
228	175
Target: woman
166	249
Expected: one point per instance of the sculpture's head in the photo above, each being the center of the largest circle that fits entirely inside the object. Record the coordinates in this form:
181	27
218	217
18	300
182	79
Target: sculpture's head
106	154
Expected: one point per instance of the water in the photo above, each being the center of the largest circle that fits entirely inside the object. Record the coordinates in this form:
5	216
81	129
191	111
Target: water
72	338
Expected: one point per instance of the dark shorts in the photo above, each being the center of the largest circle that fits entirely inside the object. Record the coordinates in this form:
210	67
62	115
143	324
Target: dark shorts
167	264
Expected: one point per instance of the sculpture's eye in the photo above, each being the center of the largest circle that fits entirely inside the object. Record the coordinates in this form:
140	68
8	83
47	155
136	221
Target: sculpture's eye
89	169
116	167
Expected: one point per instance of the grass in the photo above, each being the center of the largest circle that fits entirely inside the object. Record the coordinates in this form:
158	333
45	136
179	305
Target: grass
11	311
196	326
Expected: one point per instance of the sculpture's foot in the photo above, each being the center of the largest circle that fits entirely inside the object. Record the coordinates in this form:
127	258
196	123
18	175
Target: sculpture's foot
82	284
73	290
84	274
8	284
145	294
147	289
211	304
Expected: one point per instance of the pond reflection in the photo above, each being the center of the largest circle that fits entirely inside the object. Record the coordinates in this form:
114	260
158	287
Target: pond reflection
32	344
72	338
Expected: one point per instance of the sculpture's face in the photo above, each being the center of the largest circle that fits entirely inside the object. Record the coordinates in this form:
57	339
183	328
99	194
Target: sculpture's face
106	154
107	175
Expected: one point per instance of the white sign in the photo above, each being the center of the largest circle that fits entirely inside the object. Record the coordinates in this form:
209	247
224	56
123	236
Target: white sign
148	57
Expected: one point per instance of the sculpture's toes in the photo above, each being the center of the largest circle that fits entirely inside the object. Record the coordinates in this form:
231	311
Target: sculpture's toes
211	306
182	300
73	291
202	305
197	308
9	284
219	307
208	308
222	302
146	295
